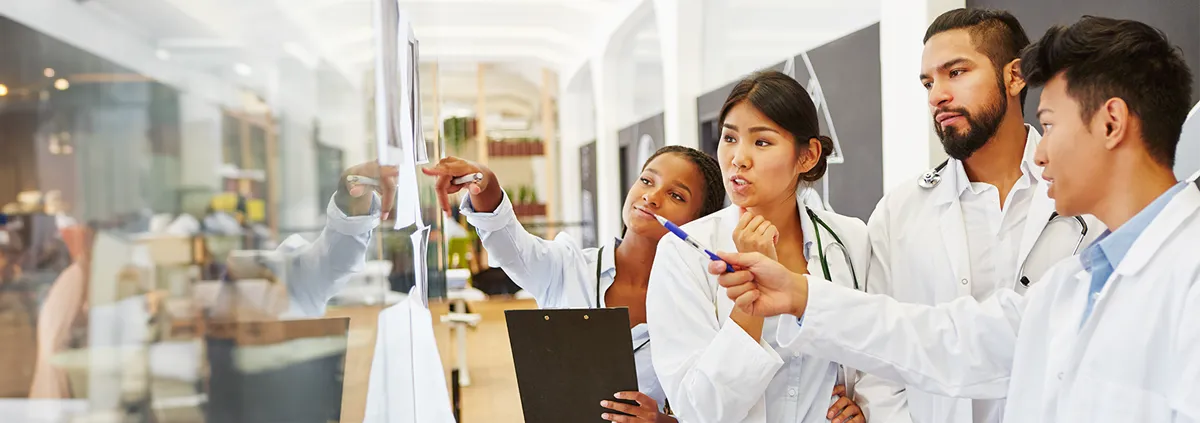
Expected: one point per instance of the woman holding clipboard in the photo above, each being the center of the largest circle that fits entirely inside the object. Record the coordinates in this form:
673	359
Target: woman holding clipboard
677	183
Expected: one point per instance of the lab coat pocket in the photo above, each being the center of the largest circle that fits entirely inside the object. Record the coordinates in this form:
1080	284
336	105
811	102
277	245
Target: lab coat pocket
1113	402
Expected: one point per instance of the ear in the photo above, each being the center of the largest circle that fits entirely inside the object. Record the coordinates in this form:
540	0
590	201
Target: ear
1113	121
809	156
1013	80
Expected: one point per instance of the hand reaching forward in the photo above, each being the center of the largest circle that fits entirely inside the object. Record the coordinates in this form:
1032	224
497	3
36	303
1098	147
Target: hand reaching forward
761	286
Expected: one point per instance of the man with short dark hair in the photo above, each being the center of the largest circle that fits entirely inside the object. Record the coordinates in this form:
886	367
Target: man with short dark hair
979	225
1110	336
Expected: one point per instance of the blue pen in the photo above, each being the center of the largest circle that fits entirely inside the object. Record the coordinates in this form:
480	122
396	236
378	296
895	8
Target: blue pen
689	241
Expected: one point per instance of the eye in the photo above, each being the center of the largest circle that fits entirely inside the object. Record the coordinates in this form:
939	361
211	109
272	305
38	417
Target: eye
728	139
762	143
928	85
957	72
1046	127
645	181
677	197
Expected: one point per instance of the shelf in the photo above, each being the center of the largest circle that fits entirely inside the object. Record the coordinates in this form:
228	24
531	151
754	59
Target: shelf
516	148
529	210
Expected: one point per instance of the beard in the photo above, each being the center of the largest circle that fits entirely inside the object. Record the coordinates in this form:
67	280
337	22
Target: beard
980	128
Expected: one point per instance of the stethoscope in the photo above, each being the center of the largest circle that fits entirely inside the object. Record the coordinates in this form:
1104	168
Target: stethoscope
598	272
837	242
934	176
1083	229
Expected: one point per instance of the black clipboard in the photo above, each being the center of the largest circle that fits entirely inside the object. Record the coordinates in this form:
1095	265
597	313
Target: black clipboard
568	360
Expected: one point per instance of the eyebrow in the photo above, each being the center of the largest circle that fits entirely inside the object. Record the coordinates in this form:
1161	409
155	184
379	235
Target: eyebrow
677	183
1042	111
752	128
949	64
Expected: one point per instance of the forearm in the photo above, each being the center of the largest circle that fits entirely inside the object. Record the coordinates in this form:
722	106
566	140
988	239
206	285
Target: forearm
919	345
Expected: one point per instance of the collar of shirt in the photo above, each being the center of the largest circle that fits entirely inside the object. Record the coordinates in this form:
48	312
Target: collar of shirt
1028	176
1112	246
608	258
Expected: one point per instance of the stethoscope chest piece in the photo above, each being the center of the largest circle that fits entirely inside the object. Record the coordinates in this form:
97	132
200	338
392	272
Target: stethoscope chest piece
930	179
934	176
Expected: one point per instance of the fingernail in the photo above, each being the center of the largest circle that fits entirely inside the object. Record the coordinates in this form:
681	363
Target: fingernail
619	395
605	416
604	404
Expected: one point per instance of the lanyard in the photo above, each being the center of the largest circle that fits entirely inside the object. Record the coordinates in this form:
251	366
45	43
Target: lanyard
599	259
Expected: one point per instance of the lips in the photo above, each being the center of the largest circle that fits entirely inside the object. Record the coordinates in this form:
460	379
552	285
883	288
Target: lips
739	184
642	212
946	118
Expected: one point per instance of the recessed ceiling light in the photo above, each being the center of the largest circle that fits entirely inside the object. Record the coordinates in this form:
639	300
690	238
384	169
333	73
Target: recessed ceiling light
61	84
49	72
3	90
243	69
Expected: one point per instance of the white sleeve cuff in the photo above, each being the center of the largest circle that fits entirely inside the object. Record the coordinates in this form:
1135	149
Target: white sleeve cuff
352	225
489	222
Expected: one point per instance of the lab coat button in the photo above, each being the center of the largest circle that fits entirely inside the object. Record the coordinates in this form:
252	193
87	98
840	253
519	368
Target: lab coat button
1095	296
796	355
964	281
791	392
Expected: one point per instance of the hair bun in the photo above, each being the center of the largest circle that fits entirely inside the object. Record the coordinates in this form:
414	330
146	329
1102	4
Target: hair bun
826	145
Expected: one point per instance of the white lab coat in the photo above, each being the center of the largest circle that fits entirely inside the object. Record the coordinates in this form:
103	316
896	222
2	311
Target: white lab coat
317	270
559	274
1136	358
919	255
710	368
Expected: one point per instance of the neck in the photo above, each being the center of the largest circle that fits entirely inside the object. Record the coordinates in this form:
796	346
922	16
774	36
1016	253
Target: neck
634	258
785	215
1132	187
998	162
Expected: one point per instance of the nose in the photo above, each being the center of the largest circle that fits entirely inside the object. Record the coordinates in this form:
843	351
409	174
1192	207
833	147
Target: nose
653	197
939	95
1039	155
741	156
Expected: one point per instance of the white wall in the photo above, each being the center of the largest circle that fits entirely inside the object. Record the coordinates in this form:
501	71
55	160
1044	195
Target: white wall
910	145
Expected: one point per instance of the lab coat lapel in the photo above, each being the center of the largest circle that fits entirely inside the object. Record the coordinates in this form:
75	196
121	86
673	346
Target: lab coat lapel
954	239
1035	222
953	229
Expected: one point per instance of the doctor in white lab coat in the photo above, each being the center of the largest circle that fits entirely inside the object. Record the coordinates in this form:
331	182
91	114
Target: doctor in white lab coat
677	183
718	365
1110	336
979	222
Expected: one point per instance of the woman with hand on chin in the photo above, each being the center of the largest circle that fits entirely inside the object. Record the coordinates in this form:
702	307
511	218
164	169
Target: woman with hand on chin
677	183
713	360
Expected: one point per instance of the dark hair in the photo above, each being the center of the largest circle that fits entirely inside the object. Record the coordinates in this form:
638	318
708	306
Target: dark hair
788	104
714	187
1103	58
995	33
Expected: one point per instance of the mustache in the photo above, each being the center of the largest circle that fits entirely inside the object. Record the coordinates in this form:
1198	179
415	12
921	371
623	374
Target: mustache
956	110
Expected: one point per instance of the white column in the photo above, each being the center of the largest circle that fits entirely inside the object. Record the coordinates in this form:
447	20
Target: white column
200	146
910	145
608	203
295	107
680	33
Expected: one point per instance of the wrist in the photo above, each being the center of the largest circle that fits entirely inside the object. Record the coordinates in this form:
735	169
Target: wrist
799	293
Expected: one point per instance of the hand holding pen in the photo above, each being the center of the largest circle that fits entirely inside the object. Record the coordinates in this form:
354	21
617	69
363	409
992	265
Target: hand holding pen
359	181
454	174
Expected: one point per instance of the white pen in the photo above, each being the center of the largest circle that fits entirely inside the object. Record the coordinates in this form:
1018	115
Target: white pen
466	179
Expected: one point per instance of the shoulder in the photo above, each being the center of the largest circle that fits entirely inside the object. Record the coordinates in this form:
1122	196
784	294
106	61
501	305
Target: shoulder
841	224
707	227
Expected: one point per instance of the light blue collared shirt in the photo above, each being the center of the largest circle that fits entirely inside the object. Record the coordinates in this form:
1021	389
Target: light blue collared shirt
1102	257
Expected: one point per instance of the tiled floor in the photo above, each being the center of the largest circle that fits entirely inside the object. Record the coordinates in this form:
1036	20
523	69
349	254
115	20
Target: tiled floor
492	397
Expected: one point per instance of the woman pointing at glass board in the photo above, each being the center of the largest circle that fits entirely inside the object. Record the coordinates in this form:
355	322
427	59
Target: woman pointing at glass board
677	183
